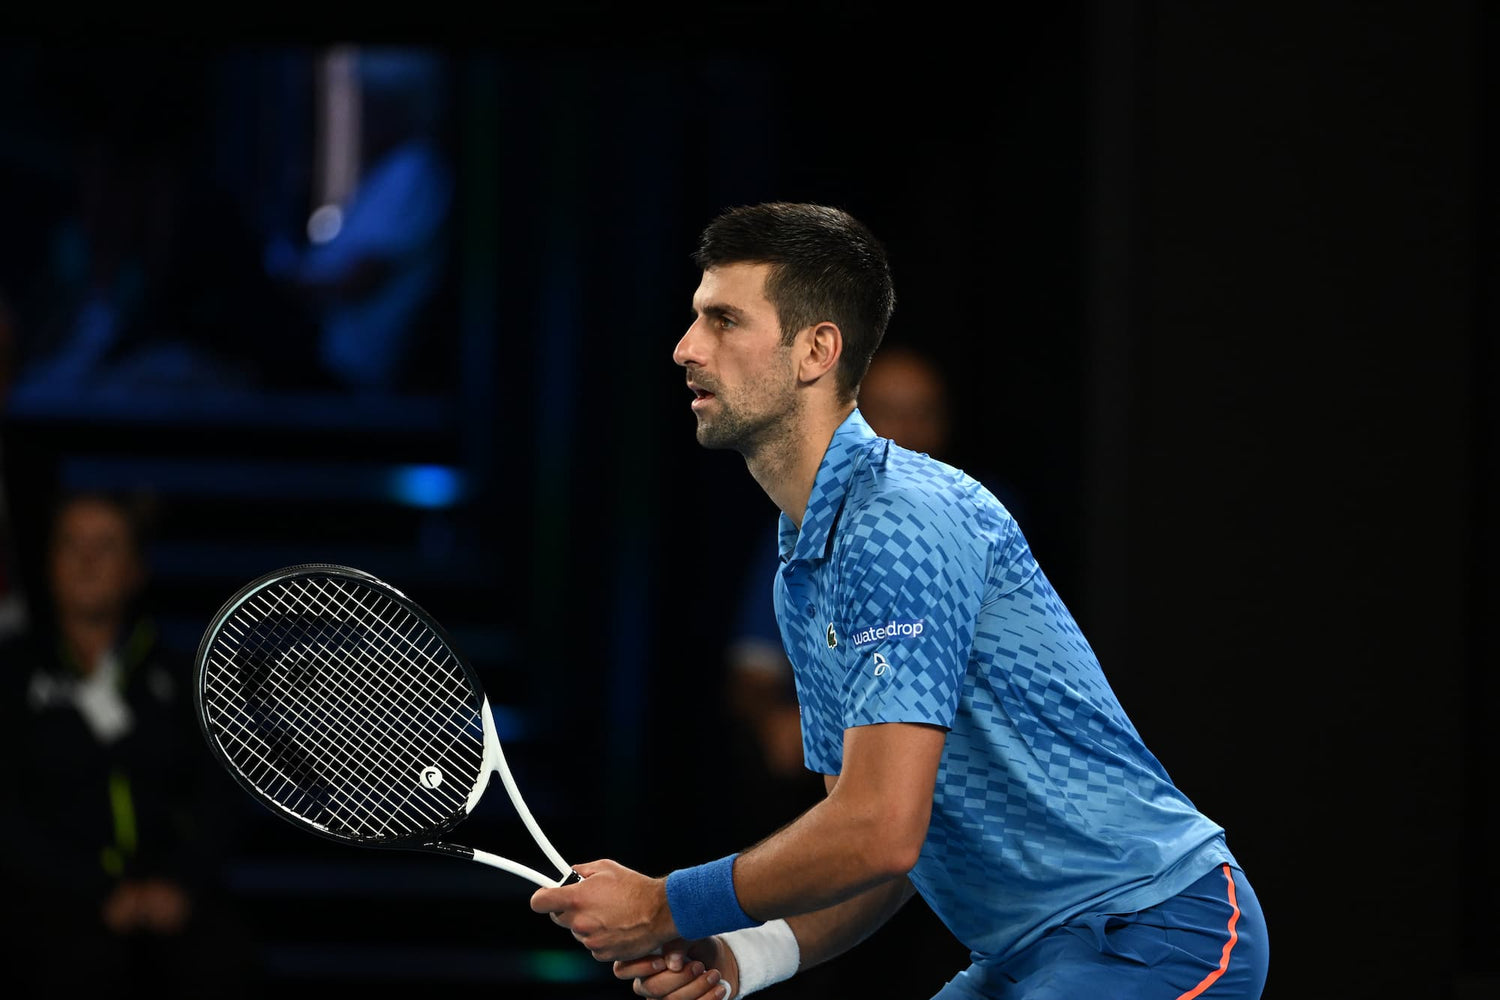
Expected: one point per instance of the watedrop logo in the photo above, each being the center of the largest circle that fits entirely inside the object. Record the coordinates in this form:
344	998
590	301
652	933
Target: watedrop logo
899	628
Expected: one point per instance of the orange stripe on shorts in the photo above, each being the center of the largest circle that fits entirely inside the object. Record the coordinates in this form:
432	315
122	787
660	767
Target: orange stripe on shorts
1234	936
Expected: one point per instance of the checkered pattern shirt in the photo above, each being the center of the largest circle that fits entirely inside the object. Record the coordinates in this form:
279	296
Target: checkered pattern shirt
911	595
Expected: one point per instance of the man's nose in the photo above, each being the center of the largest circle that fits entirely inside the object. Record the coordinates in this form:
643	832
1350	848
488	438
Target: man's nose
686	352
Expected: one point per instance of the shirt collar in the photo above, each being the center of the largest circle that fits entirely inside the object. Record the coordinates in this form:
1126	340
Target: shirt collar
851	443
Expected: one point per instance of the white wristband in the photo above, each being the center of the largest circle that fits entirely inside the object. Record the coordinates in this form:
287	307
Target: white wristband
765	955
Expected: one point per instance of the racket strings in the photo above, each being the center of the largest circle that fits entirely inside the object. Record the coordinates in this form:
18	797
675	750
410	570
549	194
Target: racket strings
301	710
413	646
338	746
343	752
307	745
399	694
333	699
388	688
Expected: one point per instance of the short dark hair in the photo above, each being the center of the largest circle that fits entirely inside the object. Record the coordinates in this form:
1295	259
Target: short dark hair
826	266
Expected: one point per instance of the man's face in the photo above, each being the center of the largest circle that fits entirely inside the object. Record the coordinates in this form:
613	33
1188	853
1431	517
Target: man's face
743	378
95	569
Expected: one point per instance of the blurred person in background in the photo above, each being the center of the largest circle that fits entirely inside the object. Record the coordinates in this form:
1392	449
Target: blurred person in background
371	269
151	283
112	828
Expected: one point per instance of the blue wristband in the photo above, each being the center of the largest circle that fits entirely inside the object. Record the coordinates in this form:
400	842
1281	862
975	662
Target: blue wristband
703	902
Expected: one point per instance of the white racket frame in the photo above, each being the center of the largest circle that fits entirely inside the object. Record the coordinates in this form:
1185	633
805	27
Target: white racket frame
494	762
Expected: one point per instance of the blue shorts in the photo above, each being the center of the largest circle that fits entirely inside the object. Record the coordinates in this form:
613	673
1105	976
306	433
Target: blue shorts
1208	941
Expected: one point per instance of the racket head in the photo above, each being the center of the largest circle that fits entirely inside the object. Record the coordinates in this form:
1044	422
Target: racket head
344	707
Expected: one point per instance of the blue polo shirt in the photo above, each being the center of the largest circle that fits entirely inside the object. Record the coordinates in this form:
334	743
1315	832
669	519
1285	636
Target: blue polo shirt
911	595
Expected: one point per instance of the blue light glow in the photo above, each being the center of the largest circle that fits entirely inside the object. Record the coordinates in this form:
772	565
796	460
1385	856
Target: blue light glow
428	486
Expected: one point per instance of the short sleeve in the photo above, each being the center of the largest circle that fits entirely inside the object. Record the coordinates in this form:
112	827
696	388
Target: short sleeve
913	581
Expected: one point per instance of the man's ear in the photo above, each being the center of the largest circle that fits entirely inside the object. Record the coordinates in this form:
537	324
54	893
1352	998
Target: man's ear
822	346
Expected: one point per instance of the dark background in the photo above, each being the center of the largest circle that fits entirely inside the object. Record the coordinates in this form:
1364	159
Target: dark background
1215	288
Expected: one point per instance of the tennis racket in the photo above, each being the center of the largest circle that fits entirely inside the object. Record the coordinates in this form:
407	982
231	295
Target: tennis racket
345	709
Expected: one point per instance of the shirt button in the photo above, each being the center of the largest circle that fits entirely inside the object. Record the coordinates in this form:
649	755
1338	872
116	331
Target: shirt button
811	611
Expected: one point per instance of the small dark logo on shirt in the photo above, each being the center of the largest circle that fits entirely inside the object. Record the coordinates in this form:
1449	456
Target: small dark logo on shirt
833	640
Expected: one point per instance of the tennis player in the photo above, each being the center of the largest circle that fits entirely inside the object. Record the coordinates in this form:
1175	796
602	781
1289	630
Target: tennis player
972	749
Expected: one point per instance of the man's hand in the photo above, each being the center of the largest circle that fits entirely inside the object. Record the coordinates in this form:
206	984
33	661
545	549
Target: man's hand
685	970
614	912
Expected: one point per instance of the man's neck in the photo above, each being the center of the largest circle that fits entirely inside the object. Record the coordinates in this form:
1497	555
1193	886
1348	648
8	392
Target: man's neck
787	466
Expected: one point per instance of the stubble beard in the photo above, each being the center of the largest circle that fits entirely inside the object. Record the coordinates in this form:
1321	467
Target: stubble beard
754	435
732	431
